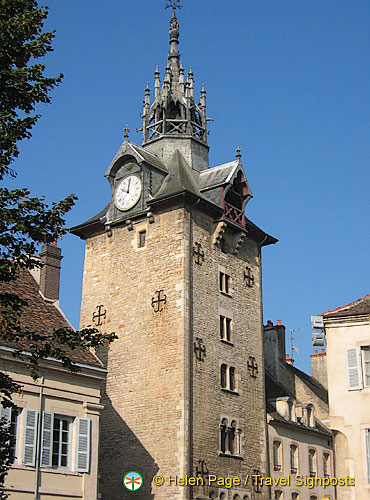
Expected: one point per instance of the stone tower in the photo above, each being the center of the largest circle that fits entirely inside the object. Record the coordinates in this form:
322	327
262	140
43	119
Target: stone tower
175	265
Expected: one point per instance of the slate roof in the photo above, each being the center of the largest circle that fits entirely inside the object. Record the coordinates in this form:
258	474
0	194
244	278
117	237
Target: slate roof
358	307
312	383
217	176
274	389
41	316
180	177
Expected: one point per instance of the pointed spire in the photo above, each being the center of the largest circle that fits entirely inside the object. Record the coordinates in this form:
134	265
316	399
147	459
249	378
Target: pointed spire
157	82
126	132
190	80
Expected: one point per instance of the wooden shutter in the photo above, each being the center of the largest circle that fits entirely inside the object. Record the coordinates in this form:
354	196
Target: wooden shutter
367	440
83	445
354	369
46	438
29	437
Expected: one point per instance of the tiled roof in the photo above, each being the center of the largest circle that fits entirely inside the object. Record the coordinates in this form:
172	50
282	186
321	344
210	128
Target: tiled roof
41	316
360	306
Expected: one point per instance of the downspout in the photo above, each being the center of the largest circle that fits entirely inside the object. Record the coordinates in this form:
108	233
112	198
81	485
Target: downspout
263	374
191	340
38	441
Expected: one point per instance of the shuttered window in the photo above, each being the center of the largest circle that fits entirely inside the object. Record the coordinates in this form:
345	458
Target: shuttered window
366	365
354	375
46	438
29	437
83	445
367	439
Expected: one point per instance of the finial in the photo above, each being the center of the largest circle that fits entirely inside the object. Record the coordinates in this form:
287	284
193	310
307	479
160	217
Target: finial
126	131
175	4
238	153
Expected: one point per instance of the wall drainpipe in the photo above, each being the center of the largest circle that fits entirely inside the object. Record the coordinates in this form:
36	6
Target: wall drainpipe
38	441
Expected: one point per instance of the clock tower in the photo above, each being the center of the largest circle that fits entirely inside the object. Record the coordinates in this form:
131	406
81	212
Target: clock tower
173	266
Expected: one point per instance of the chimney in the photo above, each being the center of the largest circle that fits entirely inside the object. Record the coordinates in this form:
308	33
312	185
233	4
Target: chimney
50	272
274	346
318	363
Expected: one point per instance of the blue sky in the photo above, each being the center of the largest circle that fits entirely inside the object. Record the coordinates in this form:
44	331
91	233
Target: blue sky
286	80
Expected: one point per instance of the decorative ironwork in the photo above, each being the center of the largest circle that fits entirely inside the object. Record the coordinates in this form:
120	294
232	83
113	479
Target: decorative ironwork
202	471
256	480
174	4
198	253
99	315
200	349
252	367
248	277
159	301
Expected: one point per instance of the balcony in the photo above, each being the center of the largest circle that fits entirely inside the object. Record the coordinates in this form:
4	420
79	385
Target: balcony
233	214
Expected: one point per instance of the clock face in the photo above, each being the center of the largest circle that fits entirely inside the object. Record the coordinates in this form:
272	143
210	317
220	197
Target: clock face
128	192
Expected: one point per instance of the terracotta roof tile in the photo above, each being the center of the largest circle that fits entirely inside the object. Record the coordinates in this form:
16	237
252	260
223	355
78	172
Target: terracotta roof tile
360	306
41	316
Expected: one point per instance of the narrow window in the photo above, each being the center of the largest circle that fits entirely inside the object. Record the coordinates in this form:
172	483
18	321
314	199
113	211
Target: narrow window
326	459
293	459
312	462
225	328
224	283
367	439
223	376
232	436
9	420
60	442
295	496
366	365
276	448
142	238
232	378
278	495
223	432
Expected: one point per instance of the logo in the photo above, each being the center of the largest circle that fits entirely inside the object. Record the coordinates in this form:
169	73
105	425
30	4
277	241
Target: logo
132	481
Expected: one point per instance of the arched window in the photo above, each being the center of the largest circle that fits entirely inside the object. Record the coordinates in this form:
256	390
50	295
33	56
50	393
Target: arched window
232	378
236	497
278	495
232	437
293	459
326	460
223	376
223	496
223	431
212	495
312	462
276	449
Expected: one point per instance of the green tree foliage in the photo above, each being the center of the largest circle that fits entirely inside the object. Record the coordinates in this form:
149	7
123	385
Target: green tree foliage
27	222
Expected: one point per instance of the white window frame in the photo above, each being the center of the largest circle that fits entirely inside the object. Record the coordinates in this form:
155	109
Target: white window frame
277	447
365	353
367	449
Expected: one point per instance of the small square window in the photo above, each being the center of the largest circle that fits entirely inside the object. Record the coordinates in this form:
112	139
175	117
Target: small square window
142	238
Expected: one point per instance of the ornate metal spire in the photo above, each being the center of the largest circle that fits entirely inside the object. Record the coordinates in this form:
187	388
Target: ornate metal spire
174	112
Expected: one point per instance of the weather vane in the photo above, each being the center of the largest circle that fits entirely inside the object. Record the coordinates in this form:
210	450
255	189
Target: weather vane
175	4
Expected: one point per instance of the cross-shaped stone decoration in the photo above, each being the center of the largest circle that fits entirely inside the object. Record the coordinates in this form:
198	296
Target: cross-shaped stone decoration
158	301
202	470
98	316
252	367
199	349
248	277
198	253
